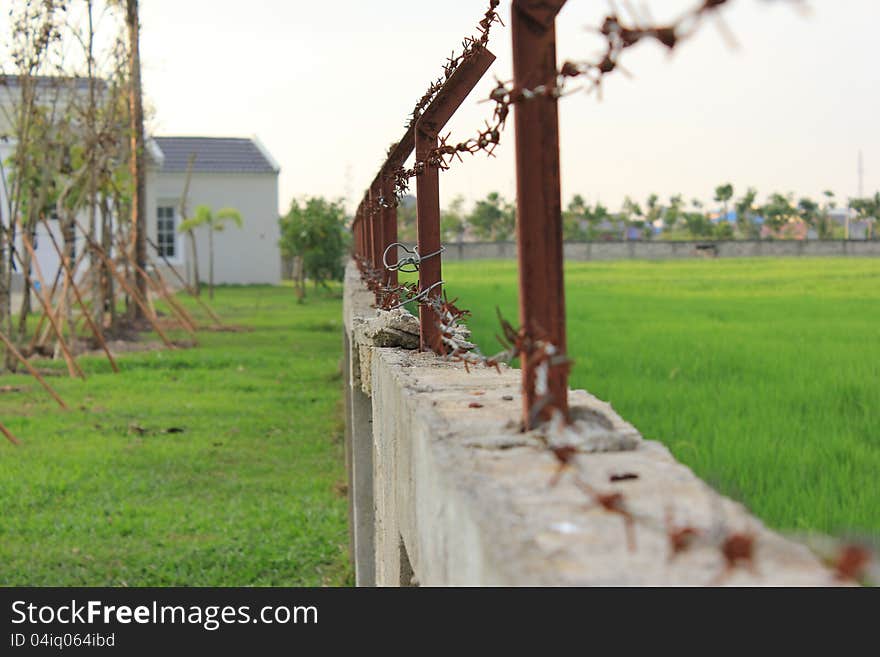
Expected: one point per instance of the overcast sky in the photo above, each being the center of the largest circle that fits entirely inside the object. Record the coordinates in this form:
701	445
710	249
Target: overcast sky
327	87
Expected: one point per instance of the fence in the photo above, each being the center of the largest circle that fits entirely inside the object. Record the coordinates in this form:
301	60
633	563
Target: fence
532	96
541	340
484	507
668	250
445	488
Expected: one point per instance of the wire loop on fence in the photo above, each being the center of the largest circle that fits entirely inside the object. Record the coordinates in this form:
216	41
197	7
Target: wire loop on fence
419	298
414	259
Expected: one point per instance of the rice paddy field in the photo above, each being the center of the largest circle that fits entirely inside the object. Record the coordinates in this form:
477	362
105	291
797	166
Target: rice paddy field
763	375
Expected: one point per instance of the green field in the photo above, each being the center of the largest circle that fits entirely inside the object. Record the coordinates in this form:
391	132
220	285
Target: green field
250	492
763	375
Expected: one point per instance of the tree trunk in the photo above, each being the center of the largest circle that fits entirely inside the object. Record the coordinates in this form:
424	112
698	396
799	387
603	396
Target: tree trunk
10	270
69	254
138	174
25	308
97	309
299	278
5	284
211	262
108	291
197	286
122	209
191	238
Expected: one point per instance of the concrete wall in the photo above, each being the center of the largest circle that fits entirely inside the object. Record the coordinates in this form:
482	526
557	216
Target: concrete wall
669	250
241	255
445	493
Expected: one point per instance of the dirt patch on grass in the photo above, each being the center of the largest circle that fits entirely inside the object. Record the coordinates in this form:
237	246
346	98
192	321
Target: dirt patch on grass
117	347
330	326
340	489
227	328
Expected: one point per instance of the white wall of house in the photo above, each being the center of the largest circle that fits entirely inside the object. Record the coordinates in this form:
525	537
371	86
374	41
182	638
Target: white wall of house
245	255
241	255
48	260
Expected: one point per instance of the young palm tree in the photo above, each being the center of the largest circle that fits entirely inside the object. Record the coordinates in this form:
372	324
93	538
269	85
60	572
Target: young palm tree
745	210
204	216
723	194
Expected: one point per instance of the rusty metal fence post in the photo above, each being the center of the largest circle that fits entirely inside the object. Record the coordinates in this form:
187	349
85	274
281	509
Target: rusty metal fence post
375	227
396	157
389	222
428	227
538	203
533	95
357	234
366	224
427	131
375	224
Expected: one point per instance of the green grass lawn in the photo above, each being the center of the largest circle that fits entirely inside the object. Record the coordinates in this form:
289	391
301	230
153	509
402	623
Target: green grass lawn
763	375
251	492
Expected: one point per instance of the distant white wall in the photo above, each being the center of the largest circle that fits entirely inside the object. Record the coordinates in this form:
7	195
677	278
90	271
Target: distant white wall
47	256
241	255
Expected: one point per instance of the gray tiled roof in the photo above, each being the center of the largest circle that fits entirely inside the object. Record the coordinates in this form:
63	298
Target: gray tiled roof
214	155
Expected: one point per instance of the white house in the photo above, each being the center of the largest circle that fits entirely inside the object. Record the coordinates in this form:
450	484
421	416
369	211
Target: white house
54	94
227	172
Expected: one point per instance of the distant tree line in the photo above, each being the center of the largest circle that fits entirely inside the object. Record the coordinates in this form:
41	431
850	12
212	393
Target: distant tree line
315	232
780	216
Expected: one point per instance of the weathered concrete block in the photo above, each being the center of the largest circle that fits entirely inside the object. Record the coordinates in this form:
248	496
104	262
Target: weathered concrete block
389	328
461	496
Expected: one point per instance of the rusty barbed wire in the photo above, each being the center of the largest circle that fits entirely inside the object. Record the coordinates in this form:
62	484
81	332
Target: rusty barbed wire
394	297
451	342
535	347
850	562
419	297
619	35
373	277
469	47
735	549
412	260
387	297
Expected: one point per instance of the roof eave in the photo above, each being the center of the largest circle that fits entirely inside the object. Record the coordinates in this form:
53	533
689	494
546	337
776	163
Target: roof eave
155	152
276	168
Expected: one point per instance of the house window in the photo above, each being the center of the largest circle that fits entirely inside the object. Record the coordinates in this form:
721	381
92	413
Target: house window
165	231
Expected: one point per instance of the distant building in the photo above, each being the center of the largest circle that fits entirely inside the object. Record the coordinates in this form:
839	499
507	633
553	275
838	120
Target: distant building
840	215
52	94
794	229
731	217
859	229
227	172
